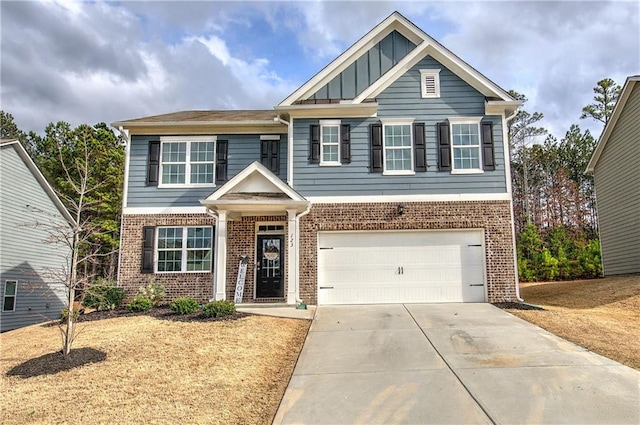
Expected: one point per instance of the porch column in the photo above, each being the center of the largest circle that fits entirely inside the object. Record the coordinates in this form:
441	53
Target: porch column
292	258
221	256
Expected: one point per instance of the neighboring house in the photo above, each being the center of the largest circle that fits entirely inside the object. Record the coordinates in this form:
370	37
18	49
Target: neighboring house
30	284
383	179
615	165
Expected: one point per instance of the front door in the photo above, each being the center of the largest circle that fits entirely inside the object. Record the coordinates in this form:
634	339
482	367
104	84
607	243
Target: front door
270	261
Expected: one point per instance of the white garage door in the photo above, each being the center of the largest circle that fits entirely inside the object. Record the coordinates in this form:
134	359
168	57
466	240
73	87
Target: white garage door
401	267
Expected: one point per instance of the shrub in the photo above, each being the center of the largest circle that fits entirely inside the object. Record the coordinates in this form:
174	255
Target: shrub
64	314
139	303
103	295
218	308
184	305
154	291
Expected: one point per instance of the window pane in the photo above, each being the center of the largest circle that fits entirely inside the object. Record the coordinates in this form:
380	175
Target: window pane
201	151
173	173
397	135
466	158
330	134
174	152
330	153
169	237
201	173
9	303
398	160
199	237
199	260
465	134
10	288
169	261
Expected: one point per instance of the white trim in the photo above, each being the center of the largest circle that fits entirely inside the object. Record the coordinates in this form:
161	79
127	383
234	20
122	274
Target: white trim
506	153
290	152
330	110
270	137
256	260
397	122
608	129
183	249
329	123
220	256
465	120
361	199
15	295
459	121
188	140
163	210
435	73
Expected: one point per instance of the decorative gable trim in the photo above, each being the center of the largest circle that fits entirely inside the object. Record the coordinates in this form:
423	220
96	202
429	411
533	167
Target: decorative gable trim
617	111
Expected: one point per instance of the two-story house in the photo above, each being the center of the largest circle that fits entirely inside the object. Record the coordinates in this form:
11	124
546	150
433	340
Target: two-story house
383	179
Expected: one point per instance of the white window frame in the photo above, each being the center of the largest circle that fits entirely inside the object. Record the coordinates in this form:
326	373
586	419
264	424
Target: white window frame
183	260
187	169
323	124
15	294
426	73
465	120
393	122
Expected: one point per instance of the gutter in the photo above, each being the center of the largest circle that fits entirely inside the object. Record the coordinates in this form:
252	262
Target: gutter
289	125
297	276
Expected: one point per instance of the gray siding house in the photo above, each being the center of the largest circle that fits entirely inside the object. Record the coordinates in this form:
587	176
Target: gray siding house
616	169
30	288
382	179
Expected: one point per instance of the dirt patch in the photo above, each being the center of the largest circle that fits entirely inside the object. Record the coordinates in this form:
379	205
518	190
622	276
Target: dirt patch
154	371
602	315
49	364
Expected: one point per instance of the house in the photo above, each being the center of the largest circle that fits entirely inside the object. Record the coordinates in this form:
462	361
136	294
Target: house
30	266
383	179
615	166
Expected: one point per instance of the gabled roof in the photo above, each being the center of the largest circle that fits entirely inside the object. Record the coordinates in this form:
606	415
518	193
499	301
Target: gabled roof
608	129
425	45
6	143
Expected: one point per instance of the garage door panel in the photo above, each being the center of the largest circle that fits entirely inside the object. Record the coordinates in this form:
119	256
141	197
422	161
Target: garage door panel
391	267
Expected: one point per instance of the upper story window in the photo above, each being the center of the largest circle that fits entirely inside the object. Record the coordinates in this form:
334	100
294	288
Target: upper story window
184	249
330	142
398	147
187	161
10	290
466	145
430	82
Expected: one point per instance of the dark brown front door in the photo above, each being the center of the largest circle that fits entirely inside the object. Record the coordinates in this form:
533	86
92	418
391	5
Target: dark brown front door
270	282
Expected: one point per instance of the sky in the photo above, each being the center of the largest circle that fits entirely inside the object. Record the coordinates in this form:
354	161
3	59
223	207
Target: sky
90	62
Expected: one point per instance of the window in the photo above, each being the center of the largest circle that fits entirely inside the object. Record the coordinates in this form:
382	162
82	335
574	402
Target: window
398	147
330	142
10	289
430	82
184	249
465	145
187	162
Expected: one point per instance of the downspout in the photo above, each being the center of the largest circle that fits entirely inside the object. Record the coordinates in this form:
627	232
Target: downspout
289	125
513	222
215	252
125	191
297	277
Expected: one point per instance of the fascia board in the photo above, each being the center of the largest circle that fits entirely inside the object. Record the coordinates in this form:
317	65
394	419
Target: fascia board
343	110
617	111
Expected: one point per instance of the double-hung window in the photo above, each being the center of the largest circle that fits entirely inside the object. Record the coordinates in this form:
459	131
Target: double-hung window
466	145
397	147
184	249
10	290
187	161
330	142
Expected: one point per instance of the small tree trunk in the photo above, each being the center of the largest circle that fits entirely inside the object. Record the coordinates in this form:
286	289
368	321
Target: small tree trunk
67	339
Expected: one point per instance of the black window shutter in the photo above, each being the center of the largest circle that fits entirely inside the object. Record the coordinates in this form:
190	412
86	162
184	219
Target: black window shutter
314	152
270	155
345	144
148	235
419	147
444	150
488	155
375	131
153	163
222	147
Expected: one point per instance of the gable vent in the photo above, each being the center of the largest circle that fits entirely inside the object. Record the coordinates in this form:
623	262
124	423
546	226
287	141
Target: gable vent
430	82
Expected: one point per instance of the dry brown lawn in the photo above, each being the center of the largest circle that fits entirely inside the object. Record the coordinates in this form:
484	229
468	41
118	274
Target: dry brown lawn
602	315
155	371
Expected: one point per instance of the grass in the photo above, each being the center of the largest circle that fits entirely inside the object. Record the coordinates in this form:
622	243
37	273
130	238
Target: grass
602	315
145	370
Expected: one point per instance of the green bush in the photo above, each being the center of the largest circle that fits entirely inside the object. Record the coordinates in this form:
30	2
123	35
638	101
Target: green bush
103	295
139	303
218	308
154	291
184	305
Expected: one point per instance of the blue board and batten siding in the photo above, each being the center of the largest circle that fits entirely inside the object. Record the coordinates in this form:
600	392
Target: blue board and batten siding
25	256
403	98
242	151
367	69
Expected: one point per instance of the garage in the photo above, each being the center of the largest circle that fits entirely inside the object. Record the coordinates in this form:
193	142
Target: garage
401	267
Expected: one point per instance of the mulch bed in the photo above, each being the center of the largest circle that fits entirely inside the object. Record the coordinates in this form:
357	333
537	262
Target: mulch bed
162	313
517	306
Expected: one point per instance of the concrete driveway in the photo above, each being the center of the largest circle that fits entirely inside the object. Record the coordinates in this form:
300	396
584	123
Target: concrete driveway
450	363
